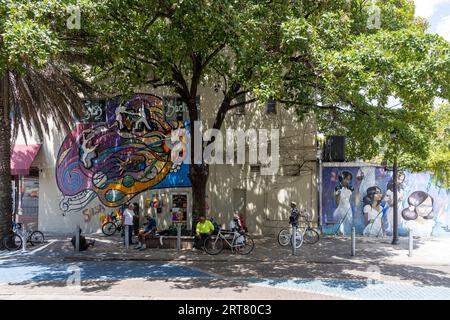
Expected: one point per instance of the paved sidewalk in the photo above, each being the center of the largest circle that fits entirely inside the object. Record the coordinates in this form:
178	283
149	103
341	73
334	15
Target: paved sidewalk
329	250
324	270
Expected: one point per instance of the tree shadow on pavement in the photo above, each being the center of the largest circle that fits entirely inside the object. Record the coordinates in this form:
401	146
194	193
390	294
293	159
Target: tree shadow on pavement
213	283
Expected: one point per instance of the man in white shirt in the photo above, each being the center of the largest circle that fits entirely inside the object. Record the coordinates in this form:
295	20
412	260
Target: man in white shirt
128	221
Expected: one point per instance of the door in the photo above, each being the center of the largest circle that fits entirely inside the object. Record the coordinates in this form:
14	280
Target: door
179	207
240	202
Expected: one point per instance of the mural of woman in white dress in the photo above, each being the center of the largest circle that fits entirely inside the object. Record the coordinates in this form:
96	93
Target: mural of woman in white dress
343	214
373	212
419	215
389	197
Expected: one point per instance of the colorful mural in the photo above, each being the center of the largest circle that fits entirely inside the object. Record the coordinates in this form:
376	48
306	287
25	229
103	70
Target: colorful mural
362	196
120	158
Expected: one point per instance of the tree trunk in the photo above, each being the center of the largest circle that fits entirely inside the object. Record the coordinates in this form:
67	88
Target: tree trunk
5	161
199	178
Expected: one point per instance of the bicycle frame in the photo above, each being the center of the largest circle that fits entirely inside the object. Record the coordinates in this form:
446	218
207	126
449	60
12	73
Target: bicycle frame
222	235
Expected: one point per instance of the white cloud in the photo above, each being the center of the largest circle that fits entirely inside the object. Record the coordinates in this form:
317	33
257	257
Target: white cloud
443	28
426	8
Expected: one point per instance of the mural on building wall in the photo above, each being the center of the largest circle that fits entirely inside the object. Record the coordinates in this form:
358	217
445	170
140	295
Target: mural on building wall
89	213
116	160
363	197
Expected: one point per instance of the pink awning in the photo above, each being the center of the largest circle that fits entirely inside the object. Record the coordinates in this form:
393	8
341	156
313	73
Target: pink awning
21	158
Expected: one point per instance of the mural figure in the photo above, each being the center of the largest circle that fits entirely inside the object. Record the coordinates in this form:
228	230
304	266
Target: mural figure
428	204
373	212
342	193
117	160
389	197
142	118
419	215
118	112
87	153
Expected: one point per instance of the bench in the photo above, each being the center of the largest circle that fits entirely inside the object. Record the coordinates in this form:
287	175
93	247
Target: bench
169	242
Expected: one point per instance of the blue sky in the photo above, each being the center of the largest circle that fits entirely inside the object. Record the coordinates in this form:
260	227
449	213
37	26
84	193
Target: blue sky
437	12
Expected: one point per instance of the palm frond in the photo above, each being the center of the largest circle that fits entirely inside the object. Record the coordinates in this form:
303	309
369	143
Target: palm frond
40	94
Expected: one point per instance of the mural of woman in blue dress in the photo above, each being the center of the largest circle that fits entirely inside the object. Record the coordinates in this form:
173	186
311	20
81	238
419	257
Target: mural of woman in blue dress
373	212
389	197
343	214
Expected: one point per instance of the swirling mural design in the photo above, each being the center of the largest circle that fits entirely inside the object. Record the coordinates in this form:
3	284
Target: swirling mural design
117	160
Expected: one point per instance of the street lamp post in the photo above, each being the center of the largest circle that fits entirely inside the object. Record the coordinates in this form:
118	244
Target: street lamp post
395	187
395	211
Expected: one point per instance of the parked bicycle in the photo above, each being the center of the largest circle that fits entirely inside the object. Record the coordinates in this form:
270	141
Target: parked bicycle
305	232
15	242
111	225
240	242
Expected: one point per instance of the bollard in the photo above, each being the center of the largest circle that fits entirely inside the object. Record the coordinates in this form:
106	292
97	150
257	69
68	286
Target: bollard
294	239
77	238
178	237
24	238
411	244
353	242
127	237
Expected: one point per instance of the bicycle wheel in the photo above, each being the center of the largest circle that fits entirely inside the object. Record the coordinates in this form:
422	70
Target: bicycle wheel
13	242
311	236
246	246
36	237
213	245
109	228
284	237
298	239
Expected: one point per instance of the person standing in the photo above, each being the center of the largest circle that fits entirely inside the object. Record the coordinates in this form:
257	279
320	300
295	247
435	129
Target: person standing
128	215
295	214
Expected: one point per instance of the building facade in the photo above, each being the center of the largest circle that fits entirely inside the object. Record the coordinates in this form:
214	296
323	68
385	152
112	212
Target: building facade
120	152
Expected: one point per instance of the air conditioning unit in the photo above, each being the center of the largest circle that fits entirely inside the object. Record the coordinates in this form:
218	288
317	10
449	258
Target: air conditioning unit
334	149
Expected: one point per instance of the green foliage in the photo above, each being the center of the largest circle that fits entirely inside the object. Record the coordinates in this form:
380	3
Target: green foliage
439	160
318	57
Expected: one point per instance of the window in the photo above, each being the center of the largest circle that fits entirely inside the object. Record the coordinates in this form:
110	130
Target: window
271	107
255	168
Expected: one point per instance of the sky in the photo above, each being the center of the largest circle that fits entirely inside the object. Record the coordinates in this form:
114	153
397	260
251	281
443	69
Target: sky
437	12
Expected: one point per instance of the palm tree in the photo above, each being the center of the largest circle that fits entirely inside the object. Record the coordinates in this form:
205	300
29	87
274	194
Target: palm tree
27	100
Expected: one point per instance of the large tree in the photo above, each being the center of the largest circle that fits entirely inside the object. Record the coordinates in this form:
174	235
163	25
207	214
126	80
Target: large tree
342	60
34	85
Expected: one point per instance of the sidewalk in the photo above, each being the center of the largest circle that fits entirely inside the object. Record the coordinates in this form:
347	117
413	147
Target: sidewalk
329	250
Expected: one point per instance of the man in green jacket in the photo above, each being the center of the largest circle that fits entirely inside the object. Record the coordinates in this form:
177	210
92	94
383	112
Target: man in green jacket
203	229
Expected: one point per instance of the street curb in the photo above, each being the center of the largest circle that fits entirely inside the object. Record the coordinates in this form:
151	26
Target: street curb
86	258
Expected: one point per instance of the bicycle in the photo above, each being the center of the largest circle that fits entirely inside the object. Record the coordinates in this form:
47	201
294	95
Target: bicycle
241	242
307	234
112	225
15	242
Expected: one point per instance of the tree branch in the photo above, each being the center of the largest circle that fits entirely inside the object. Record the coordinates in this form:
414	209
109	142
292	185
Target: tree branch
212	55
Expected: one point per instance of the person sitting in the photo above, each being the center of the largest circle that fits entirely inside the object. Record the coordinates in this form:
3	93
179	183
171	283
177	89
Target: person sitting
149	231
203	229
243	225
237	227
83	244
235	223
